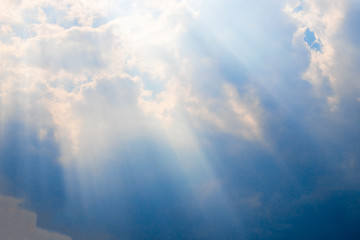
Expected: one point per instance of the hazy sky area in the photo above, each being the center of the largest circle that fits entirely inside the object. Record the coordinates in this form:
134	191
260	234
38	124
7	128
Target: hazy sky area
179	119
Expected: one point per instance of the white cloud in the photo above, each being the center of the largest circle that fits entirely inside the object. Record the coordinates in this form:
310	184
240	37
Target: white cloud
105	74
328	68
115	80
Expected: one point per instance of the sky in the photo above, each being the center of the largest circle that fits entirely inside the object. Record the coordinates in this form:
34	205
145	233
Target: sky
180	119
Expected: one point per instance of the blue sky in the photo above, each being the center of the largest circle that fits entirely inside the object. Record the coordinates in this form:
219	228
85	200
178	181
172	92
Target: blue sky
182	119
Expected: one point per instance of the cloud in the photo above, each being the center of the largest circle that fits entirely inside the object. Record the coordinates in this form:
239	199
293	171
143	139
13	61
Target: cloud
246	111
74	50
68	62
326	71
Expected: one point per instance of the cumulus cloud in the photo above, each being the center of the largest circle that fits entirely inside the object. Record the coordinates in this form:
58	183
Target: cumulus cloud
233	103
326	71
62	64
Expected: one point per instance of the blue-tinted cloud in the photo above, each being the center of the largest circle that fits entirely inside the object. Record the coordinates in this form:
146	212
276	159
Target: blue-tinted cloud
183	120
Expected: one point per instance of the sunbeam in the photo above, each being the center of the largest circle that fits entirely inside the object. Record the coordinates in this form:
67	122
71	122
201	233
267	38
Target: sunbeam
179	119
